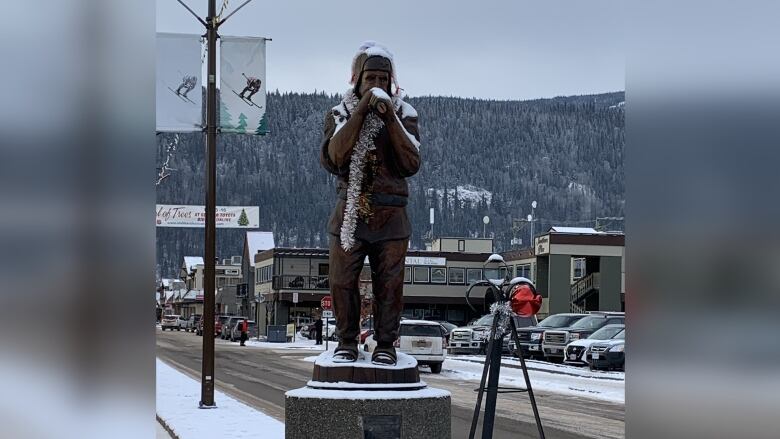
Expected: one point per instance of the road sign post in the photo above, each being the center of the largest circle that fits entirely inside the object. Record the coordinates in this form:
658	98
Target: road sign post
327	307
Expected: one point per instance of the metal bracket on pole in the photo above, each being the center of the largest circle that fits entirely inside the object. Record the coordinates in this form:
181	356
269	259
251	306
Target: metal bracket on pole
193	13
221	22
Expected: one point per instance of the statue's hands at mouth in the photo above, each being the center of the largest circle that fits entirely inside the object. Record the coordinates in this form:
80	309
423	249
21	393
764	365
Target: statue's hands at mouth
381	105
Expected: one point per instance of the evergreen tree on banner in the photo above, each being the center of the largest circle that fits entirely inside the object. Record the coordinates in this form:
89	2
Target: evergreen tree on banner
225	119
241	127
242	219
262	127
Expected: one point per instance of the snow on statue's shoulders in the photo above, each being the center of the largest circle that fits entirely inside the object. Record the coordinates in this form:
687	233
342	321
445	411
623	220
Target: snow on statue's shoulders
381	94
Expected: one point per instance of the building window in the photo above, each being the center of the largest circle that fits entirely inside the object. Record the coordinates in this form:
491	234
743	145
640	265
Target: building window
264	274
323	269
457	276
523	270
422	275
456	315
407	275
461	245
438	275
578	269
502	272
473	275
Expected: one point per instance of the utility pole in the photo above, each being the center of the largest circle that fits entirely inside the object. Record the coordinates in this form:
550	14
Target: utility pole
207	370
211	24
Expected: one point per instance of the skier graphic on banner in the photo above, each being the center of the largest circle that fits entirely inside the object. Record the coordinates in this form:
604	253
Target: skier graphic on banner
187	83
252	87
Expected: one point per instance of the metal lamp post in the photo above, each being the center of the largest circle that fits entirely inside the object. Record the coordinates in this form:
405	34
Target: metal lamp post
212	24
531	220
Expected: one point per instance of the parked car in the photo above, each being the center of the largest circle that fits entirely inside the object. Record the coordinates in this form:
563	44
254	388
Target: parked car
171	322
578	352
520	322
554	341
366	328
235	331
228	325
191	323
328	330
531	337
471	339
448	327
218	322
300	322
609	354
422	339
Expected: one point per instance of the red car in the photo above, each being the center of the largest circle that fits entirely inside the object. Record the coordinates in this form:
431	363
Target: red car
364	333
218	322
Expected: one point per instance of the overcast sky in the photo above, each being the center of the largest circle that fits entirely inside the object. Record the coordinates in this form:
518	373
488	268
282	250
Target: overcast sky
507	49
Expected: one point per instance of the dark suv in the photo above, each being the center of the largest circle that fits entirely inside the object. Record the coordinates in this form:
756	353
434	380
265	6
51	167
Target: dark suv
554	341
520	322
531	337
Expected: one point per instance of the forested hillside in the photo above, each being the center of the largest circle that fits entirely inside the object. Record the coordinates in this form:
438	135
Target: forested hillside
480	158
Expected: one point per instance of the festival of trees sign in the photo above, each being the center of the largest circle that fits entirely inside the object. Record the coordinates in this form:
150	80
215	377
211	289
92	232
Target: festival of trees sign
176	215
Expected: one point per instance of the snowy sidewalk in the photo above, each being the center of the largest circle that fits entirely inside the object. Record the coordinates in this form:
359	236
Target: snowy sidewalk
177	406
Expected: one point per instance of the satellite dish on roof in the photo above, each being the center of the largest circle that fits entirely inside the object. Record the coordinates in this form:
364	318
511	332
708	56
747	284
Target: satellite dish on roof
485	219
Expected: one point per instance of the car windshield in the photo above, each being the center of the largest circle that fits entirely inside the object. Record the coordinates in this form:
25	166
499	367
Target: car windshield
485	320
621	335
223	319
557	321
606	332
421	331
448	326
589	322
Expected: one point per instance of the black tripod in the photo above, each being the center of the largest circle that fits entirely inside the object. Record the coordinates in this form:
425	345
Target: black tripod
492	369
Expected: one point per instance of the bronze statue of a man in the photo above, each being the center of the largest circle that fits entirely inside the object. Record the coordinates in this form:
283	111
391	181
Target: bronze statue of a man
372	144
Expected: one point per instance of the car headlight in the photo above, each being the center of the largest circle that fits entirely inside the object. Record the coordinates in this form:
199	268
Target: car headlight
477	335
618	348
575	336
536	336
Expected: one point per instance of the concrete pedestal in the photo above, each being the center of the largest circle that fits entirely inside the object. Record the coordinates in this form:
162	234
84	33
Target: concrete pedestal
367	414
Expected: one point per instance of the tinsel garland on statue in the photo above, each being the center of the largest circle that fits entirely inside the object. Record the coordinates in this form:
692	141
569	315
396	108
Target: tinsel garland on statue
503	312
371	127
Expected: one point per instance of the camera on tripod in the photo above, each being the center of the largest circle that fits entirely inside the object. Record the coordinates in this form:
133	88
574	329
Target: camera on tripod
515	296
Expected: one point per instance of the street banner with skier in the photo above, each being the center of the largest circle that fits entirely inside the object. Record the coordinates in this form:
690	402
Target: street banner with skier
178	83
242	86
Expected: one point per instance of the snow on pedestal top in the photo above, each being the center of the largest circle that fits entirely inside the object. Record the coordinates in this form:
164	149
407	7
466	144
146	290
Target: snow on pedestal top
325	359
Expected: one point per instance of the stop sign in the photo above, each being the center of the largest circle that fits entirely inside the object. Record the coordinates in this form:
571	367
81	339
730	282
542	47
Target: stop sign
326	303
